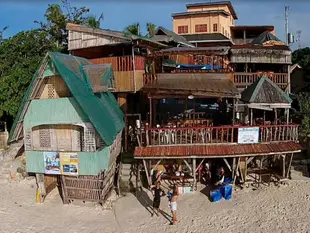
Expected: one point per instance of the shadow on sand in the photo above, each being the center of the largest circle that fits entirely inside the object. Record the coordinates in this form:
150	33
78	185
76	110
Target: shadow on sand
147	203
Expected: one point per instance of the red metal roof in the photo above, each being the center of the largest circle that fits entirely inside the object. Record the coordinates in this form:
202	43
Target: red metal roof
216	150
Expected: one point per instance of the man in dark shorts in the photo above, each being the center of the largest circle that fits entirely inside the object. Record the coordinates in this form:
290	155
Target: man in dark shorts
157	193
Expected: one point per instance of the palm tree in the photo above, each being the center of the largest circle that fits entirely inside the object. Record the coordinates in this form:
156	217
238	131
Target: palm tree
133	29
92	21
150	27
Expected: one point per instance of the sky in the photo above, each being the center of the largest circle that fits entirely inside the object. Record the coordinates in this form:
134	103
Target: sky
20	15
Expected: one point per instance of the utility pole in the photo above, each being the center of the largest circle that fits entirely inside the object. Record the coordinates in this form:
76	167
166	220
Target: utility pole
298	38
286	24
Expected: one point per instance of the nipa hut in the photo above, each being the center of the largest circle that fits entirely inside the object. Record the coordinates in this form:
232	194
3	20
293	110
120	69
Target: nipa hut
72	126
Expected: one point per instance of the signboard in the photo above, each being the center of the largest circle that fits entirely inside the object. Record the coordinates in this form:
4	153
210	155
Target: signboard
69	163
248	135
51	163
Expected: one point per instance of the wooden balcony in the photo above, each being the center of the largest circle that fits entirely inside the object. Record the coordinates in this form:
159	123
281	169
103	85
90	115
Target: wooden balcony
214	135
243	80
128	72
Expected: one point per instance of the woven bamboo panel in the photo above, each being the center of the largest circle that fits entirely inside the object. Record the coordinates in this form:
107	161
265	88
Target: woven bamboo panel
89	188
54	88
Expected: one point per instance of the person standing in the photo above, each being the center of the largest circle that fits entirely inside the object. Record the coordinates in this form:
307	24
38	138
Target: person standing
157	194
173	204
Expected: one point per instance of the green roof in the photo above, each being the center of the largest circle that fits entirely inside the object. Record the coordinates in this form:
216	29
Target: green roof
265	91
103	111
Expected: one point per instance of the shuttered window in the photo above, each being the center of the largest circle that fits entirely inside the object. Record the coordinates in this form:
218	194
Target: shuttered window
215	27
182	29
201	28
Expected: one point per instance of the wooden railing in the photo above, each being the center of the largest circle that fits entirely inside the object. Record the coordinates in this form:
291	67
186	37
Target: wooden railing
123	63
212	135
148	78
242	80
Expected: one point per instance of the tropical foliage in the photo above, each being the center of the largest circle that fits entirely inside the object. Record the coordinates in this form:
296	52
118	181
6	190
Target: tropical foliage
135	29
21	54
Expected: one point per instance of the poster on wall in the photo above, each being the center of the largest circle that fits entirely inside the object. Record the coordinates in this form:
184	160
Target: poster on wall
69	164
51	163
248	135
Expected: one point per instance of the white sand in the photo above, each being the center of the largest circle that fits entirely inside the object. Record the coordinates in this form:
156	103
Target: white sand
273	209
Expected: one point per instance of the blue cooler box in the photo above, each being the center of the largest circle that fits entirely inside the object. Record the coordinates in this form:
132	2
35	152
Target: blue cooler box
216	195
226	191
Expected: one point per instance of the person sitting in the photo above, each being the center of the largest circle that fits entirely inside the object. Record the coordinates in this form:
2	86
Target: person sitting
220	176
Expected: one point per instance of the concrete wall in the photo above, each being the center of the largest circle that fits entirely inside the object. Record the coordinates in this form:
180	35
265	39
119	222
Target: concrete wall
223	22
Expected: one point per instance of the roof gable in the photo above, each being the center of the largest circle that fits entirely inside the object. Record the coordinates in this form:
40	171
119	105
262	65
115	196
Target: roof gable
160	31
101	111
265	91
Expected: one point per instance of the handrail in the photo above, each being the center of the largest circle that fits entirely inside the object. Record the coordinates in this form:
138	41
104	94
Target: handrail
213	134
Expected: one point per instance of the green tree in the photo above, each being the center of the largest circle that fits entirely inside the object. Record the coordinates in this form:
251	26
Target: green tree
57	17
302	57
150	29
20	57
92	21
304	105
1	33
134	29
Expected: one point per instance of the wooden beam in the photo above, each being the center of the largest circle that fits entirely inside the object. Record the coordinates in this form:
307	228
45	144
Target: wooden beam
199	165
249	160
229	167
151	115
147	173
283	165
187	165
157	164
235	175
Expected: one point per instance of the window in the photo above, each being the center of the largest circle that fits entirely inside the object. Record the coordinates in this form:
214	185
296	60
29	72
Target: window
201	28
182	29
215	27
223	30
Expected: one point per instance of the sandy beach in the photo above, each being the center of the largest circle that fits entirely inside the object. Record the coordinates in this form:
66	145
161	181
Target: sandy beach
285	208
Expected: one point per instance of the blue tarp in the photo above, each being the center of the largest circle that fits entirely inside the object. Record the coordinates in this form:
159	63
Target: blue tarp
198	67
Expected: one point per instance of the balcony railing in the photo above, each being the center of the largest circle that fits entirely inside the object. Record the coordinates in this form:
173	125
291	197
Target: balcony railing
123	63
213	135
242	80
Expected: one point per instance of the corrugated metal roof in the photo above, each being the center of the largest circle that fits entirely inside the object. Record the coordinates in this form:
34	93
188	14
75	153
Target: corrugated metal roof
206	37
199	84
169	36
215	150
265	91
218	50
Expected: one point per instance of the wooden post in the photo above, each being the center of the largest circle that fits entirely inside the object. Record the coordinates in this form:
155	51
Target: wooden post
155	104
264	116
147	173
234	111
151	115
122	101
236	169
138	177
275	116
283	165
233	168
289	166
194	174
287	116
251	118
41	192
